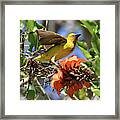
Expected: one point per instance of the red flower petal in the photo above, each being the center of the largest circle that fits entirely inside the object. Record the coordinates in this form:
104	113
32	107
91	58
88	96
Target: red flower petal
70	91
58	86
68	65
63	63
86	84
76	86
56	77
77	64
80	86
62	78
73	64
81	60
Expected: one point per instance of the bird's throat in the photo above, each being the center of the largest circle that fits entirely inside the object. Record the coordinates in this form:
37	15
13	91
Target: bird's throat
69	45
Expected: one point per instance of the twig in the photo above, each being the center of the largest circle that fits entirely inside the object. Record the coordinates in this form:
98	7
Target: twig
40	90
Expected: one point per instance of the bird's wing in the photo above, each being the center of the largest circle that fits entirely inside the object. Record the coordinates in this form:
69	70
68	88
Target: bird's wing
49	37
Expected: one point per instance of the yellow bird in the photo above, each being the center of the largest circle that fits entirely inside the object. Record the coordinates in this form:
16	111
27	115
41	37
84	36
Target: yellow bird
61	46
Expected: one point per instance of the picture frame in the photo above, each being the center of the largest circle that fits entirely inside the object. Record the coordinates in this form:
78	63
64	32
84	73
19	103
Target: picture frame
2	65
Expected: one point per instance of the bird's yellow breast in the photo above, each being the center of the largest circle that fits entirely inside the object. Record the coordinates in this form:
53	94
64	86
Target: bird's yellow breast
60	51
63	52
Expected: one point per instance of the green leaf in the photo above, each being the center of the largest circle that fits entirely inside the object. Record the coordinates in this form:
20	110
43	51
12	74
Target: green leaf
33	39
88	63
31	95
30	25
86	53
93	27
95	42
96	65
96	91
83	45
96	83
21	24
39	26
92	52
23	60
82	94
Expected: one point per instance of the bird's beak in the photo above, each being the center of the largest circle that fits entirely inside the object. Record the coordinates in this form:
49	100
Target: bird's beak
77	35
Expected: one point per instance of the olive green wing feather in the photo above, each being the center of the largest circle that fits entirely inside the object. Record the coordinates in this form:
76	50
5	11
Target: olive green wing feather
49	37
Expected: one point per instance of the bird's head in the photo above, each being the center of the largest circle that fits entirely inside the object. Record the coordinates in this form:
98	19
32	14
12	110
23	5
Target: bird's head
72	37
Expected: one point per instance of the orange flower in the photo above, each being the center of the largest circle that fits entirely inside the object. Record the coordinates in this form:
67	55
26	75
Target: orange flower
70	76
